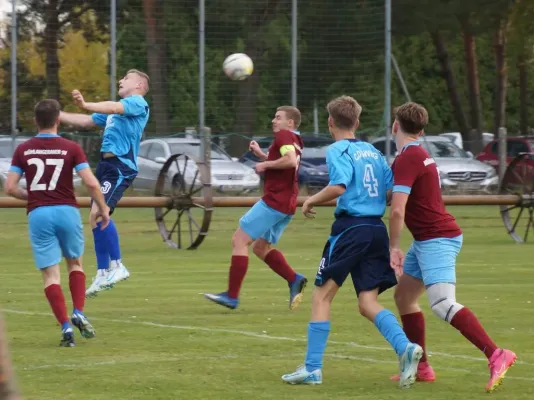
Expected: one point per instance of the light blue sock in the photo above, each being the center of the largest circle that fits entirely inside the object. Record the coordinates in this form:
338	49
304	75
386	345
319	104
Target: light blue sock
317	337
389	327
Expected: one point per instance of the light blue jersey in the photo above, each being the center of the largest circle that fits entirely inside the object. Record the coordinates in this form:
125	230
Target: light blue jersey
362	169
123	133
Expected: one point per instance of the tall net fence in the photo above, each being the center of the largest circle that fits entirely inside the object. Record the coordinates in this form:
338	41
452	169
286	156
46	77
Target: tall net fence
61	46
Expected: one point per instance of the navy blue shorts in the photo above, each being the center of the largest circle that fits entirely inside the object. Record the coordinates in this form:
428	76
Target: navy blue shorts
359	247
115	177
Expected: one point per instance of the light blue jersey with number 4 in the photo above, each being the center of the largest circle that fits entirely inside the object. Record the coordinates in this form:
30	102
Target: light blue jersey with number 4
363	171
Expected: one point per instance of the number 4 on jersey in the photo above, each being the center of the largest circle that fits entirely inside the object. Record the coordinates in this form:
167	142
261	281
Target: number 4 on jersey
40	164
369	181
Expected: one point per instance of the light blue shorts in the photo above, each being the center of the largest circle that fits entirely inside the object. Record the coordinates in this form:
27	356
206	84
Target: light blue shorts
262	221
434	260
55	231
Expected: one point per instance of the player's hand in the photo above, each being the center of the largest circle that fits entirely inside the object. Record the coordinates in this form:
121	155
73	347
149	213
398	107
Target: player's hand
260	167
97	214
396	256
105	219
307	210
78	98
254	147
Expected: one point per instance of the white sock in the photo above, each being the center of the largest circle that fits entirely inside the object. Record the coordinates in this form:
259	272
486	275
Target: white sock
115	264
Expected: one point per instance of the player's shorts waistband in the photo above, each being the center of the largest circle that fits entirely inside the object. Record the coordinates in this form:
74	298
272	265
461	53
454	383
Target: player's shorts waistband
117	163
344	222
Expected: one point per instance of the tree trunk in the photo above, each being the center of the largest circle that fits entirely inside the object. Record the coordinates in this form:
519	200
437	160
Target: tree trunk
248	89
156	55
51	33
502	77
523	95
448	74
473	86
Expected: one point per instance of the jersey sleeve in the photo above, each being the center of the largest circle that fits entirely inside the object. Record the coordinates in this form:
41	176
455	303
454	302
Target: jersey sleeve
340	169
406	172
17	163
388	174
99	119
284	142
134	106
80	159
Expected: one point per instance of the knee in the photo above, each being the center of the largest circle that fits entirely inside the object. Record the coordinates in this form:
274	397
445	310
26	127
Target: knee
239	240
402	299
74	264
261	248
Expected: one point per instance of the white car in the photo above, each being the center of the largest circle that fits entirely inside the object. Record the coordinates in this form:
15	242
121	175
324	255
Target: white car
458	170
227	174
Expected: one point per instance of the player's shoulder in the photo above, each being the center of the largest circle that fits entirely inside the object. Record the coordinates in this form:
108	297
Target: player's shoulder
136	98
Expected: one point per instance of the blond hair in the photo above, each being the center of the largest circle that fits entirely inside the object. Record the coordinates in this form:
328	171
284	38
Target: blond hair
142	75
345	112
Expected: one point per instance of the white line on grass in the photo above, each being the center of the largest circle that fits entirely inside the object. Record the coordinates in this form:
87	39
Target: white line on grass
285	338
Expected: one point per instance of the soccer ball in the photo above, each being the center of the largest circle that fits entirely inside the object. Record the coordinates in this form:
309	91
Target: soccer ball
238	66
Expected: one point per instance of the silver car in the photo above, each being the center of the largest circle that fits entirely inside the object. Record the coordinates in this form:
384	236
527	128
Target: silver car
227	174
458	170
7	147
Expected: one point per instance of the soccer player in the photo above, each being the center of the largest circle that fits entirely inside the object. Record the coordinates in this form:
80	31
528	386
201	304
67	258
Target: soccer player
358	245
265	222
54	221
430	263
123	122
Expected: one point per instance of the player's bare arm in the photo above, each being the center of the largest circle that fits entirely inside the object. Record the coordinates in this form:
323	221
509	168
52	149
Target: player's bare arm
8	388
12	188
78	120
330	192
396	223
255	148
287	161
93	185
102	107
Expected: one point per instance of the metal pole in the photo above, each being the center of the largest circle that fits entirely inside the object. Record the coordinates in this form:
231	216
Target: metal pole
205	140
14	72
113	56
401	79
315	119
502	152
387	80
294	21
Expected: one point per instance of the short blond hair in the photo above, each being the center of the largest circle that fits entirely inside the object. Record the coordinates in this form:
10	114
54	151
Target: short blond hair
344	111
412	117
142	75
292	113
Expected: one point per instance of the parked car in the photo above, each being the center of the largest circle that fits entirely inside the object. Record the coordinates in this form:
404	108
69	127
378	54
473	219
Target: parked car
456	138
7	147
458	171
514	147
313	172
227	174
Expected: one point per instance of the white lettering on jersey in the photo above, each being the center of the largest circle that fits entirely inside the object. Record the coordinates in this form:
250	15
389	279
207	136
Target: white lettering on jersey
429	161
45	152
365	154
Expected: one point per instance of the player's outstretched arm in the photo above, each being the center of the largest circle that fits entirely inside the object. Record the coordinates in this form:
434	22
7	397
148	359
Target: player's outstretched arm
102	107
8	389
78	120
12	188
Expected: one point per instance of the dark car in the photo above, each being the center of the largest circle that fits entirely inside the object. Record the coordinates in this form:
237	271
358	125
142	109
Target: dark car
313	172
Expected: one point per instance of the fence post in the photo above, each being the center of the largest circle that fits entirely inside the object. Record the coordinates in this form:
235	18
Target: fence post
502	152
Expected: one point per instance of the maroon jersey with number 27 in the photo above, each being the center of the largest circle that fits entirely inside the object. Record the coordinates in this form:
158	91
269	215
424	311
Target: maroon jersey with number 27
416	173
281	186
48	162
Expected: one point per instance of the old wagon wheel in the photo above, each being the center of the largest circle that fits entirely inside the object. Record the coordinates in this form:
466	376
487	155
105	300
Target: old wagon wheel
519	180
181	178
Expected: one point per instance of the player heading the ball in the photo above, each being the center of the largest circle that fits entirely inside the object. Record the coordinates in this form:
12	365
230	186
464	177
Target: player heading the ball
265	222
55	225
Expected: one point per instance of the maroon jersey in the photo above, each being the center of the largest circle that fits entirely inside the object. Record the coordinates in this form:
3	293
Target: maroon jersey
416	173
48	162
281	186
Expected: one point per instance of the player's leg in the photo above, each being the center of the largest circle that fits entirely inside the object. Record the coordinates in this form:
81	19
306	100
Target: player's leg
330	277
259	219
275	259
409	288
42	224
439	276
71	240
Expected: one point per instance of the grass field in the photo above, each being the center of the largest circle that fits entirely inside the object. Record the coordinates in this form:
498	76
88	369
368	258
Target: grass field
158	338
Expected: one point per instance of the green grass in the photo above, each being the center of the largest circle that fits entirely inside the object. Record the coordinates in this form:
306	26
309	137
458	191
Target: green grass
158	338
